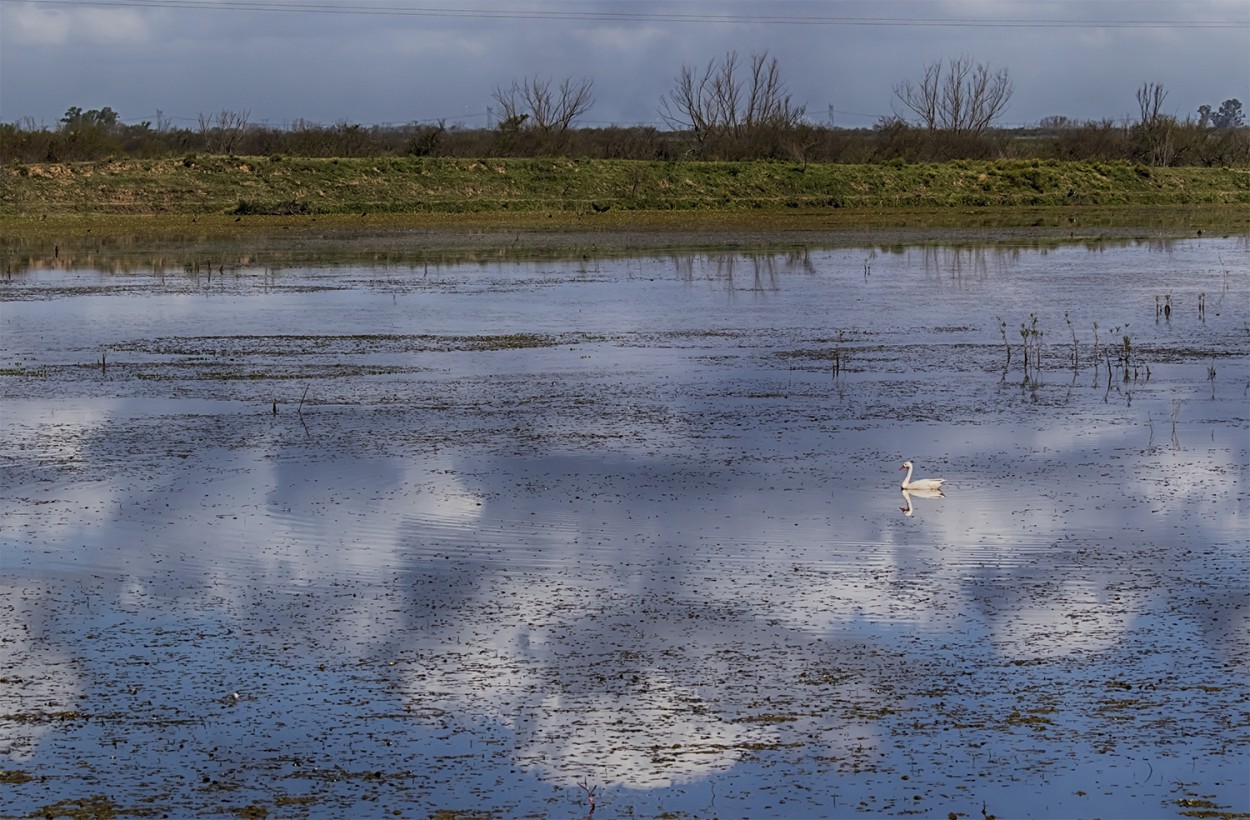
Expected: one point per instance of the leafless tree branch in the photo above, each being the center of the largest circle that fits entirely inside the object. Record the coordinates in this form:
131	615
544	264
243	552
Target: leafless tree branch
534	104
728	112
959	96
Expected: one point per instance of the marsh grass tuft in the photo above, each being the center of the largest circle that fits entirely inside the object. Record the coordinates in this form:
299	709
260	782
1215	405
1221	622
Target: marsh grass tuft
1031	340
1072	330
1002	329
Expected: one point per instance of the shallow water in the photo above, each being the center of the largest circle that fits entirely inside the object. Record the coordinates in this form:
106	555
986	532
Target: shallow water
478	538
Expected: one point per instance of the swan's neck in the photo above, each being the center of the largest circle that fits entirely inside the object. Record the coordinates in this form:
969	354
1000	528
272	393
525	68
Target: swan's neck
907	480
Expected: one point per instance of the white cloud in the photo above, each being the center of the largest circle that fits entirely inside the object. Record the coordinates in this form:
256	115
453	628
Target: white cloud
28	25
623	39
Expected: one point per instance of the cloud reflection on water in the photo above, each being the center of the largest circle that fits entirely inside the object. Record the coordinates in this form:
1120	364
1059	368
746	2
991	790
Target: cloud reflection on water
656	556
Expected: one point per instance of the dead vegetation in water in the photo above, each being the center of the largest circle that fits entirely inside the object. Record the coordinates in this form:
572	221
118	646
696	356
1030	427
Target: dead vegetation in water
357	344
1207	809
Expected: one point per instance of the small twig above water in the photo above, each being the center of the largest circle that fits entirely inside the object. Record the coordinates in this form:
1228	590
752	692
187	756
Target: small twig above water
299	411
1002	329
590	794
1072	330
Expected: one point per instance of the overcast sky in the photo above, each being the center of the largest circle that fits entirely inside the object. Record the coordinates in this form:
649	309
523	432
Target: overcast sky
399	61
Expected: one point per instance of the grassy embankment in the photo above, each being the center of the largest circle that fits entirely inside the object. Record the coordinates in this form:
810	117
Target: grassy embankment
226	191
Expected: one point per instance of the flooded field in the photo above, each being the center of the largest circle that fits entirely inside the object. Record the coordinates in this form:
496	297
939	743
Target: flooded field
495	538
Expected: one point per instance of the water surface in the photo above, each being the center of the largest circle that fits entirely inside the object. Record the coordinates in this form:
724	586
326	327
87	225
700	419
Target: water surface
482	538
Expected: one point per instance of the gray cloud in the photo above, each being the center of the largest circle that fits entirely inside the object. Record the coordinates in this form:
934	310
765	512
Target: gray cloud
393	61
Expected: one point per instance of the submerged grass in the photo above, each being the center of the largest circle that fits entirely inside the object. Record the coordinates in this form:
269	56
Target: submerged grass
215	245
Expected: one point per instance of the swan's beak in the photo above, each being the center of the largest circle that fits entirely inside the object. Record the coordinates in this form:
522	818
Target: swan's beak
903	467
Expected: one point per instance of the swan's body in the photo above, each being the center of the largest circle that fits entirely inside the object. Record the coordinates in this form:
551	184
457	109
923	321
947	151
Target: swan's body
920	483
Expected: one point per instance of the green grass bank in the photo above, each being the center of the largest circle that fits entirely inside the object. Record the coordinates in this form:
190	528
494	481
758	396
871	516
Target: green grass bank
253	186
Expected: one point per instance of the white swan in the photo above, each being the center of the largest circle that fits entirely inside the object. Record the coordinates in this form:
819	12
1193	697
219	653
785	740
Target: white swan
920	483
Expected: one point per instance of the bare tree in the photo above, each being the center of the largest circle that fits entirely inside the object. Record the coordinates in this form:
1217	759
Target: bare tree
725	111
689	104
1150	99
550	111
959	96
767	103
706	104
222	132
1155	130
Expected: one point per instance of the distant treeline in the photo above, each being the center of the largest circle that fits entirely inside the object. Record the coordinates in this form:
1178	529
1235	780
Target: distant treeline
99	135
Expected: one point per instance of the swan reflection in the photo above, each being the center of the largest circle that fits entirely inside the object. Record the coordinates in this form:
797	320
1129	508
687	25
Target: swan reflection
909	494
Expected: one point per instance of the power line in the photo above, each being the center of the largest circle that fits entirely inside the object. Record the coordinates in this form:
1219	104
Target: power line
405	10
